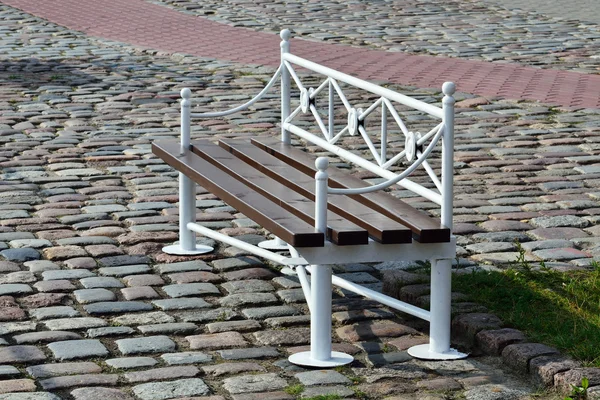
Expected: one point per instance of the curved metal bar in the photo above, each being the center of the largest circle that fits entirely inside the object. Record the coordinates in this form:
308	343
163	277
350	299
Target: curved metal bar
243	106
395	180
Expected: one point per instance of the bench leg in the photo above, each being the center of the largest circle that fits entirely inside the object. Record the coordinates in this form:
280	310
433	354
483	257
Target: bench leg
320	354
440	312
187	213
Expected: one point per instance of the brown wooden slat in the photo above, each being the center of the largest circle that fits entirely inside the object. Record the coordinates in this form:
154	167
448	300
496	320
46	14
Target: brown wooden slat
380	227
266	213
425	229
339	230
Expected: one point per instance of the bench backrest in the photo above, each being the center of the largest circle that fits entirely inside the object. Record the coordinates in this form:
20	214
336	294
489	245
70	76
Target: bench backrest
417	146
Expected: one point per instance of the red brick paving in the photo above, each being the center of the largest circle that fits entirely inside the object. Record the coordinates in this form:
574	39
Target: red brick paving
152	26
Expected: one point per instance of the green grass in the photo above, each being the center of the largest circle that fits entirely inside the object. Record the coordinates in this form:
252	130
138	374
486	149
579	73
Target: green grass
560	309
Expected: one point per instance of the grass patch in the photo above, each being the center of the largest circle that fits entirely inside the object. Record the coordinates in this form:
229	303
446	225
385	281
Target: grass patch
294	390
325	397
560	309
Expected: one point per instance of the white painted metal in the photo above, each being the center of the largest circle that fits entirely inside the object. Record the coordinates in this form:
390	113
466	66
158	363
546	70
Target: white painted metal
305	284
439	325
243	106
273	244
293	75
320	317
369	110
318	291
269	255
395	115
381	298
420	142
335	360
187	192
392	177
423	352
341	94
320	354
448	154
331	112
319	89
370	144
431	173
285	85
315	114
331	253
293	114
359	83
441	274
384	130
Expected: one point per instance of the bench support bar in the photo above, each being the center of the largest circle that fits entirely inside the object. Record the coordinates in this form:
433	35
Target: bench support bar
269	255
187	213
439	324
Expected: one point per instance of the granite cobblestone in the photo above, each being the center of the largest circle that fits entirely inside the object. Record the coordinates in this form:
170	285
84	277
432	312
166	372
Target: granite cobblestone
82	190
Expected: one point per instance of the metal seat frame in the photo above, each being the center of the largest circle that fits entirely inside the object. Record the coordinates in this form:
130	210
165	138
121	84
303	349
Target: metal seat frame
317	261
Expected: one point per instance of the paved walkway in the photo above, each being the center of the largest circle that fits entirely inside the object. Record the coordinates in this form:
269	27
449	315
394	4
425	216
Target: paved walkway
91	308
143	24
580	10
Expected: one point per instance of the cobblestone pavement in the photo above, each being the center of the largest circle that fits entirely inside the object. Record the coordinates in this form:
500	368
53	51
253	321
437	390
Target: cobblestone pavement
157	27
582	10
466	29
92	309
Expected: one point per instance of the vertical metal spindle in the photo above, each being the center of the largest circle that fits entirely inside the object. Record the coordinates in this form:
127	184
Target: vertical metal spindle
383	133
285	85
331	111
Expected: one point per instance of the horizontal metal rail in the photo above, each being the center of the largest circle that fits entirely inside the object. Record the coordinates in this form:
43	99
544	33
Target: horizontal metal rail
359	83
379	297
269	255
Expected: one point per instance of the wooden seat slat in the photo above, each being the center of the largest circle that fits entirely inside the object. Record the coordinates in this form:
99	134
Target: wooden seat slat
339	230
380	227
272	217
425	229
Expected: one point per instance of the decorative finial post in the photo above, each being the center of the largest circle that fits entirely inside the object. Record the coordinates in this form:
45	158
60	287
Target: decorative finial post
448	153
186	104
285	85
187	190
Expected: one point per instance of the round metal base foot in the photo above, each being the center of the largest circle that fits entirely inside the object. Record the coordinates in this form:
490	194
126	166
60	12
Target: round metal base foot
422	351
177	250
288	271
337	359
273	244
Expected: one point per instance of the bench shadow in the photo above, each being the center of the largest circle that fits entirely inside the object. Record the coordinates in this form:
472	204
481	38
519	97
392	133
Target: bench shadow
31	73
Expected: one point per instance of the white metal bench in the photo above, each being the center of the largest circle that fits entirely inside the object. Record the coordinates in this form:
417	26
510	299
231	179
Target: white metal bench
324	215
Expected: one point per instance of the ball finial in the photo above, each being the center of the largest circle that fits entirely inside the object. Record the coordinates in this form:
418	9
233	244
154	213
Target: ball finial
186	93
322	163
285	34
448	88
